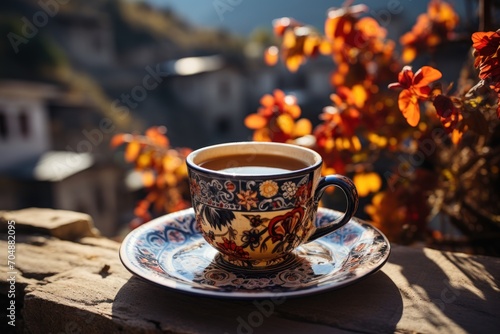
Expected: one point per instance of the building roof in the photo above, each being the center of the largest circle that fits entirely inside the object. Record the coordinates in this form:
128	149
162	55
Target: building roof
194	65
28	89
51	166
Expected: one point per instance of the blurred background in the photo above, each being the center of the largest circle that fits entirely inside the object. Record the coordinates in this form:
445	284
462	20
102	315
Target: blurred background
74	73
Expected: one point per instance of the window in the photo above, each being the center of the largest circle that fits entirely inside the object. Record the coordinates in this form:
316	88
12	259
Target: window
4	130
24	125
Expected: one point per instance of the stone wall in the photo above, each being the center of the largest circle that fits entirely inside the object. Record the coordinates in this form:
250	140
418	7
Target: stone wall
68	279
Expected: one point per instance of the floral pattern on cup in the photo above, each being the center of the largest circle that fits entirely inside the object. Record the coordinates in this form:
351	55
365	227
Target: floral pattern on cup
278	215
270	234
250	195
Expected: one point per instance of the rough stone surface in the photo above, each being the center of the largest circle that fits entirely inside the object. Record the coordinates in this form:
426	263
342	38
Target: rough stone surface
82	287
61	224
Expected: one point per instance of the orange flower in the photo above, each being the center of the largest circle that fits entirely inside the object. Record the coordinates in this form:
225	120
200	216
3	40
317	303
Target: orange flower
404	208
450	116
485	43
271	55
163	171
248	199
487	52
282	24
358	46
354	97
415	89
335	137
430	30
348	34
276	120
340	26
388	214
367	183
298	43
442	13
340	120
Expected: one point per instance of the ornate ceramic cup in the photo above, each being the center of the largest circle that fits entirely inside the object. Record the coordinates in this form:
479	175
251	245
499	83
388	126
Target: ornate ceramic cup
256	202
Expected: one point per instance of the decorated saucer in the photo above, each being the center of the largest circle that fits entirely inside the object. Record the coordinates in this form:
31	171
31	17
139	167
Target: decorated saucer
170	251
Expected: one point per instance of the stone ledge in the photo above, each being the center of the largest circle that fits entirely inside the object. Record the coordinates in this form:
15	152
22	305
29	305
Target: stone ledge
62	224
82	287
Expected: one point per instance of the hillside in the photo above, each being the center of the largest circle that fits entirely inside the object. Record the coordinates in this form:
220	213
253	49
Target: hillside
129	36
245	16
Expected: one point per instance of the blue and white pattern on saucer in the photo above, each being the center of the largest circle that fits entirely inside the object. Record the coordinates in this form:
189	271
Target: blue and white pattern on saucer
169	251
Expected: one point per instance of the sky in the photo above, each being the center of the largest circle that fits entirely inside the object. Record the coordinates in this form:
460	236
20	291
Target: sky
243	16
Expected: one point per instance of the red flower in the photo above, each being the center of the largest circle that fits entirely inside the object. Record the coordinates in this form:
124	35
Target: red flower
444	106
276	120
450	116
415	89
340	26
234	252
487	52
486	43
298	43
430	30
340	120
281	226
302	194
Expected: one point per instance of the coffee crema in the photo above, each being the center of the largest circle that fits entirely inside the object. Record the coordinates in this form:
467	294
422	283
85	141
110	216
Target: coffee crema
255	164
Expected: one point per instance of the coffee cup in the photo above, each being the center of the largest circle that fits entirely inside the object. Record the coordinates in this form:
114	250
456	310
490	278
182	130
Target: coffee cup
255	202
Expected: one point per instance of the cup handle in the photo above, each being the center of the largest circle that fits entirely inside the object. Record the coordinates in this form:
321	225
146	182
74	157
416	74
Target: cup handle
351	194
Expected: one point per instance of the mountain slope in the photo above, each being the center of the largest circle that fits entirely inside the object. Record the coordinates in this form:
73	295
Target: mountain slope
244	16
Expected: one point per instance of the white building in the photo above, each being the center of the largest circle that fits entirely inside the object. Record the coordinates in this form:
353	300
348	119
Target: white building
24	124
214	90
33	174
